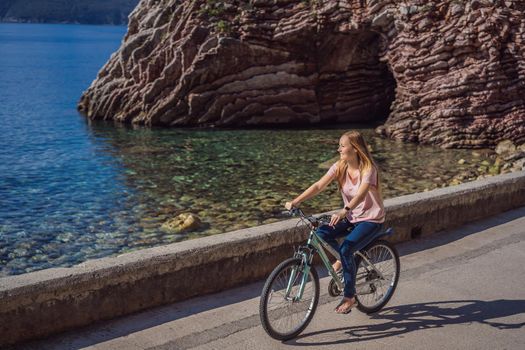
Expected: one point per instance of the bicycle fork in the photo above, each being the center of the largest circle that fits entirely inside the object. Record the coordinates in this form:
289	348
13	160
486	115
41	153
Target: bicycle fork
306	260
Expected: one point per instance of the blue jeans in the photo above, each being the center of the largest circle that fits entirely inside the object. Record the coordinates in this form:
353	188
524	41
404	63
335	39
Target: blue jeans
361	235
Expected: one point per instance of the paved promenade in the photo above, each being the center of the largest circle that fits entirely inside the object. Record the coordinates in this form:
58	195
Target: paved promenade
463	289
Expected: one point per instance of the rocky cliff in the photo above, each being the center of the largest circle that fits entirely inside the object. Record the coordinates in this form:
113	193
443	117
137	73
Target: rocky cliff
450	73
67	11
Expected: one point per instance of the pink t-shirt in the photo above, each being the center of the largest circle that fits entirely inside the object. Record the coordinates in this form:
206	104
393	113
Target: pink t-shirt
371	208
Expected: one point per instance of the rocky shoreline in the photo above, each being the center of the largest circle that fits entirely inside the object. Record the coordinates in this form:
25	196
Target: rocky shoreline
179	200
185	184
505	159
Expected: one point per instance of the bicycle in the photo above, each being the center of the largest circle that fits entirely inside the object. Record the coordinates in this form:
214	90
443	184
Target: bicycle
291	293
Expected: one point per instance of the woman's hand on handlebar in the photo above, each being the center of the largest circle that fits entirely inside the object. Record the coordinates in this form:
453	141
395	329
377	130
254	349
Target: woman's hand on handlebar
291	205
340	215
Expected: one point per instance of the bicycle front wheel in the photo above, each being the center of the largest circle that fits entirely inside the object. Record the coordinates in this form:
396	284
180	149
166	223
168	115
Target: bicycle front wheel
376	285
284	312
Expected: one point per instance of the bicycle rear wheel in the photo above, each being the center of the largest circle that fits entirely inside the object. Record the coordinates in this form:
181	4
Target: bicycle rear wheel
373	290
284	316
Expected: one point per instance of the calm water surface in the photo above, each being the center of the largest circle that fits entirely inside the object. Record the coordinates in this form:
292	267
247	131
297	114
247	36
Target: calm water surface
72	190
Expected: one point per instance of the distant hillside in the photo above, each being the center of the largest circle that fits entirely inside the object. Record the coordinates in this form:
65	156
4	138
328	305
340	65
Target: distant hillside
67	11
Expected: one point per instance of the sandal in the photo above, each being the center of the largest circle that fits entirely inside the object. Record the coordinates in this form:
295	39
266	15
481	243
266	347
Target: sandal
347	311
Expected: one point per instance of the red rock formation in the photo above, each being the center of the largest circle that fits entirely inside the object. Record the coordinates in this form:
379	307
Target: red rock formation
455	70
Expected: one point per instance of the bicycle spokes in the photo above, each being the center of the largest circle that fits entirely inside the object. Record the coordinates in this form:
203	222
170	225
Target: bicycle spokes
289	299
377	276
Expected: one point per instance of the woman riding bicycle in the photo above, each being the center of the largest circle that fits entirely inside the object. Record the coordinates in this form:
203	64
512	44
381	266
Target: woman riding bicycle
358	180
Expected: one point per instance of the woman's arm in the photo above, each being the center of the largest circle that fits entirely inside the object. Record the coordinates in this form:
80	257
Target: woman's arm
360	195
363	189
311	191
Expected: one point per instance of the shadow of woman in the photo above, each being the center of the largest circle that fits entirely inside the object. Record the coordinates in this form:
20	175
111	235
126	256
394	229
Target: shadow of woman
413	317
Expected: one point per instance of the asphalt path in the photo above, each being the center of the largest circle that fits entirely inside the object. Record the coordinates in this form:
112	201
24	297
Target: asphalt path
459	289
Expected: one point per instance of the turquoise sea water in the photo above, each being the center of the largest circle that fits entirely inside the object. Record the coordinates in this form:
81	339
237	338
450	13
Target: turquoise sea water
72	190
55	177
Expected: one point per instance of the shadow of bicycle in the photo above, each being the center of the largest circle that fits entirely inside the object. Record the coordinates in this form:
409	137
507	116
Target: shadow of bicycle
404	319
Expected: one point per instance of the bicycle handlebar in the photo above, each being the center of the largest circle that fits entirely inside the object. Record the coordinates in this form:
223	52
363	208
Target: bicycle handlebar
312	220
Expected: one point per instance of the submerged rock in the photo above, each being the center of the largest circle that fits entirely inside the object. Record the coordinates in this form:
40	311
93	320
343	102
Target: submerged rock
183	222
445	73
510	157
505	147
519	165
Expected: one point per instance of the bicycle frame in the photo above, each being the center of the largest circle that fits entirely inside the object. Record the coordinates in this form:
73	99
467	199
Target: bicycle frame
306	253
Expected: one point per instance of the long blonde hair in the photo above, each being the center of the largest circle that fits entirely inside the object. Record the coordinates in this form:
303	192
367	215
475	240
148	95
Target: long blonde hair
364	158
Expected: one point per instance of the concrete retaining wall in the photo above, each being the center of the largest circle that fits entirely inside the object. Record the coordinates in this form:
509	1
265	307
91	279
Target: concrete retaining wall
41	303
